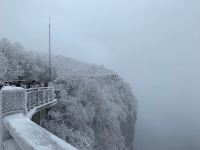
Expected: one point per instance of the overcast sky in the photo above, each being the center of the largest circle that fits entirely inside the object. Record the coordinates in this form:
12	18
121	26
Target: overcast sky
153	44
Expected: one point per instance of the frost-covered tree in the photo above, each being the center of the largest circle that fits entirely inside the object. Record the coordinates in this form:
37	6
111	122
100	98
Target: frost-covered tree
12	53
23	64
3	66
101	109
5	46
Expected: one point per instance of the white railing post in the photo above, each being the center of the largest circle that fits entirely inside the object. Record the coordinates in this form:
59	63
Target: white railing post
12	101
26	103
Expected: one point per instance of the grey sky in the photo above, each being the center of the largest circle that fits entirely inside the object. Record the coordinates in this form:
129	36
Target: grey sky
153	44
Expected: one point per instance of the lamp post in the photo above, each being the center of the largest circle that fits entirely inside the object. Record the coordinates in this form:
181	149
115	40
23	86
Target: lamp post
50	71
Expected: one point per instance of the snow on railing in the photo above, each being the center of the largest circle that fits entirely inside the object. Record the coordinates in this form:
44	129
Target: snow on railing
39	96
16	127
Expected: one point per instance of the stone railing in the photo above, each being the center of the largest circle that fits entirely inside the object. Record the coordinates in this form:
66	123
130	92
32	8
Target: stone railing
17	105
12	100
39	96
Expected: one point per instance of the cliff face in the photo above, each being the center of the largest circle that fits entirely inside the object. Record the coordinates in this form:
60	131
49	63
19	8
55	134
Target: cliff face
96	109
98	113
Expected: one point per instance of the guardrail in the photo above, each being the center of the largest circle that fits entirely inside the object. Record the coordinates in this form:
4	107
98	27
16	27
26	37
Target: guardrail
39	96
17	131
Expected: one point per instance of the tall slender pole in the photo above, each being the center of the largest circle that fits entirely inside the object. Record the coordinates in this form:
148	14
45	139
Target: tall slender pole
49	50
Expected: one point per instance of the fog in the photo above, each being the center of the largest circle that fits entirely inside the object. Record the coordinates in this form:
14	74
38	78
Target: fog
153	44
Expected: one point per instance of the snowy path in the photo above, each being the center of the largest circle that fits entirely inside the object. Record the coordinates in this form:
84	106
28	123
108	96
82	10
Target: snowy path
30	136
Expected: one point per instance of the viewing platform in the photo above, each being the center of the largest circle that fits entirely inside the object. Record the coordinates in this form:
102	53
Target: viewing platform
17	130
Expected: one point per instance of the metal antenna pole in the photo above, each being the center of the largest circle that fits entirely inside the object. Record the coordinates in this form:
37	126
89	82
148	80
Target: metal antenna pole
50	78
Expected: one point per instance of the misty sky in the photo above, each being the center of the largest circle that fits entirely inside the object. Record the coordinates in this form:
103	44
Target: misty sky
153	44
